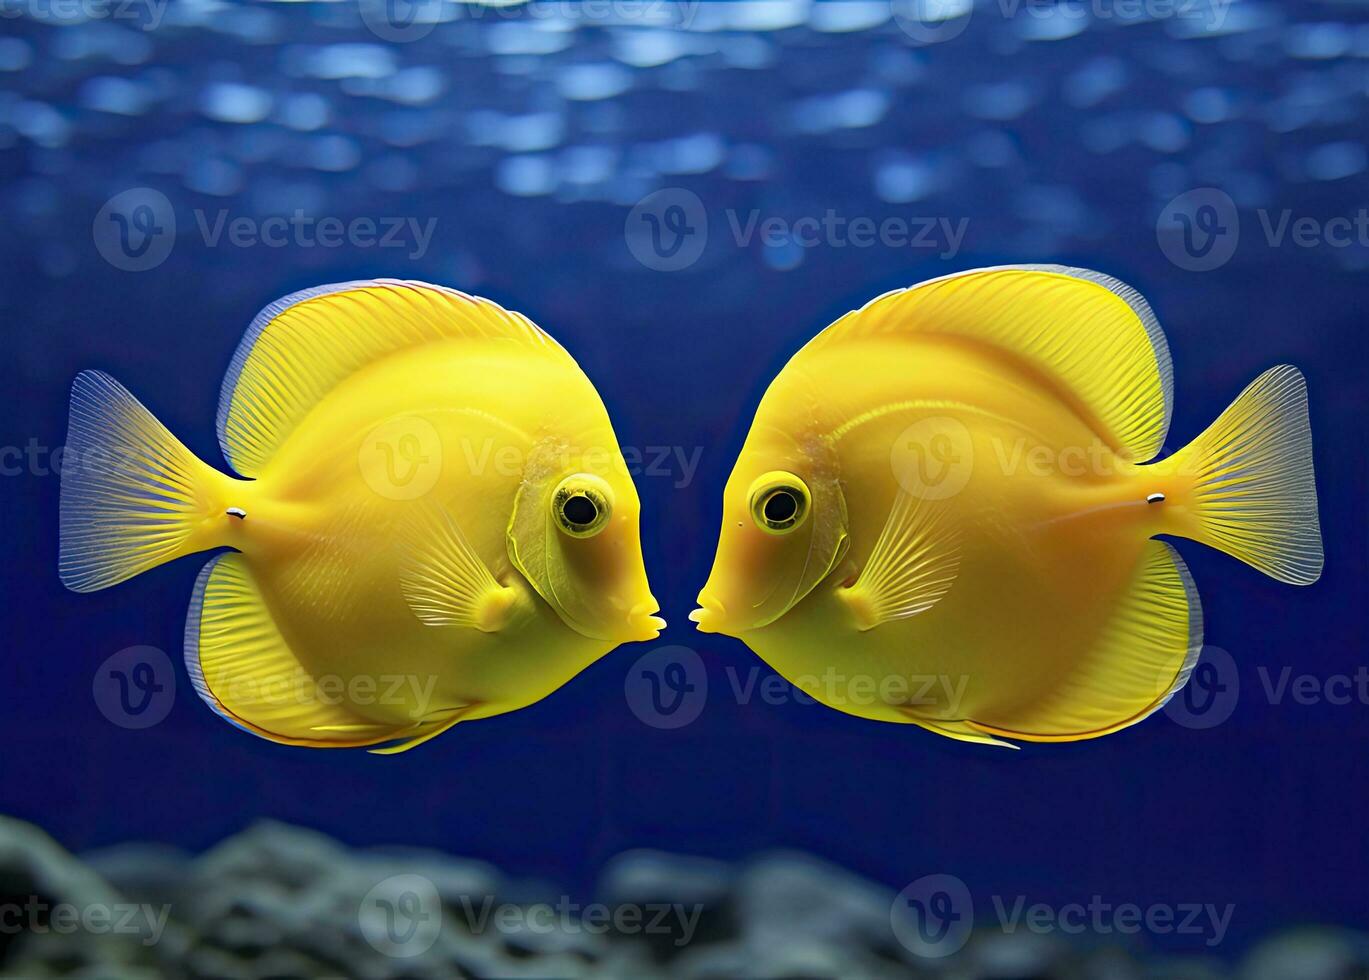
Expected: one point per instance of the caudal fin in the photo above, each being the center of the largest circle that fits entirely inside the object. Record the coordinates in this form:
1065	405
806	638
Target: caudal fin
132	496
1253	494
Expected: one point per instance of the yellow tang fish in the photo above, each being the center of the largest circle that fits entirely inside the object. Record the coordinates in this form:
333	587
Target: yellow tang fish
438	523
942	514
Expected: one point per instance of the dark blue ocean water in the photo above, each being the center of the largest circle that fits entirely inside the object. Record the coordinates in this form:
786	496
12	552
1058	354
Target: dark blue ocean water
522	141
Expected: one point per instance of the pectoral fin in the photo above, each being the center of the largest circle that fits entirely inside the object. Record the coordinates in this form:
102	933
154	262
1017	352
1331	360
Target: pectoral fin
442	578
913	564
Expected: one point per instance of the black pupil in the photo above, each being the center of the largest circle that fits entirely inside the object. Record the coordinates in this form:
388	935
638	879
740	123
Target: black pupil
780	506
580	510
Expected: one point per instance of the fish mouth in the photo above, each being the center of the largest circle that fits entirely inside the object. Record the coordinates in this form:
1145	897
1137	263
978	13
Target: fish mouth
710	616
643	623
639	624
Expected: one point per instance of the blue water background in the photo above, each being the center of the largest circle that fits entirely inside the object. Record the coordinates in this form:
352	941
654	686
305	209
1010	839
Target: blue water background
529	140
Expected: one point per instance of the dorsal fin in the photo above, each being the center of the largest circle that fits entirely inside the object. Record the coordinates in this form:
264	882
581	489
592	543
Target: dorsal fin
1095	335
301	346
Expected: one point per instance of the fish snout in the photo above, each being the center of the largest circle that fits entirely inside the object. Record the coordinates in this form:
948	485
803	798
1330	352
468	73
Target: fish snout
710	616
642	622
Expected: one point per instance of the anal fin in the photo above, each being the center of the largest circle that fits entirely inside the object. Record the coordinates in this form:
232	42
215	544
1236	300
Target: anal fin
429	729
961	730
1142	656
244	669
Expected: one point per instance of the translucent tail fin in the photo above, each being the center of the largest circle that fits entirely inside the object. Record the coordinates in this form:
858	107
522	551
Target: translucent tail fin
1252	492
132	496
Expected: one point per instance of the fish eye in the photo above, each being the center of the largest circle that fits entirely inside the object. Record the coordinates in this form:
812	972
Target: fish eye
581	505
779	502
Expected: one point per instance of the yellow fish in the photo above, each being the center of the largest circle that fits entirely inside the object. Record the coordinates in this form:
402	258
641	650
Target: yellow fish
943	514
437	523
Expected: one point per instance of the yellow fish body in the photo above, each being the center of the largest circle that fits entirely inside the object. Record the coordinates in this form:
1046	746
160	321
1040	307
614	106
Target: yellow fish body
942	514
438	524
